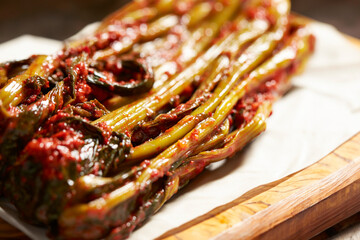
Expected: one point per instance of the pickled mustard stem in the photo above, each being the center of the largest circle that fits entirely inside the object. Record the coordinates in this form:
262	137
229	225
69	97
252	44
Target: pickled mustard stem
90	187
166	158
217	67
216	139
128	116
192	167
207	85
195	16
176	113
144	14
158	166
188	76
13	93
252	56
159	27
131	7
204	34
138	10
199	97
199	39
153	29
185	146
241	23
195	164
95	187
130	189
297	47
148	208
198	13
132	13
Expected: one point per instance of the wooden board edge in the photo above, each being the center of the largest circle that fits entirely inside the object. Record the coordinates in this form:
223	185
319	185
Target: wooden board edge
336	180
306	212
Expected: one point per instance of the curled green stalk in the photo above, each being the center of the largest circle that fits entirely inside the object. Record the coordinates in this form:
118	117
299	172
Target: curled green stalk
132	78
187	144
190	169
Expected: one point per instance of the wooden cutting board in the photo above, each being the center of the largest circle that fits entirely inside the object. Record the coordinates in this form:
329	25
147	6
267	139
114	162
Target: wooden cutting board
298	206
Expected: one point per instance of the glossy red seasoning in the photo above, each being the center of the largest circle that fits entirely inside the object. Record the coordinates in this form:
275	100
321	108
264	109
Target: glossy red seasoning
56	151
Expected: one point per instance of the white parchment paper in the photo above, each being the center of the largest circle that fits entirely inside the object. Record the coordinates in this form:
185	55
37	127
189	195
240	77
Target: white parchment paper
320	112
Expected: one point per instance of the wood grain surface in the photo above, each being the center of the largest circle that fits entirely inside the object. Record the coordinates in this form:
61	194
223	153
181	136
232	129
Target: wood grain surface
298	206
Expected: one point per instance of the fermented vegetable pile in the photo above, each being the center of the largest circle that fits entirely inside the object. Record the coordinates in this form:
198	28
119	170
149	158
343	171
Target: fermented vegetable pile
98	136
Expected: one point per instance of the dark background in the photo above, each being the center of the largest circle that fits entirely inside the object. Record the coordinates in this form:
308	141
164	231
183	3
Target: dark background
63	18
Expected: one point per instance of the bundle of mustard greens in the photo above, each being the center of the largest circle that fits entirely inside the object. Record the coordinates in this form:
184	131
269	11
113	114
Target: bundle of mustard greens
95	138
